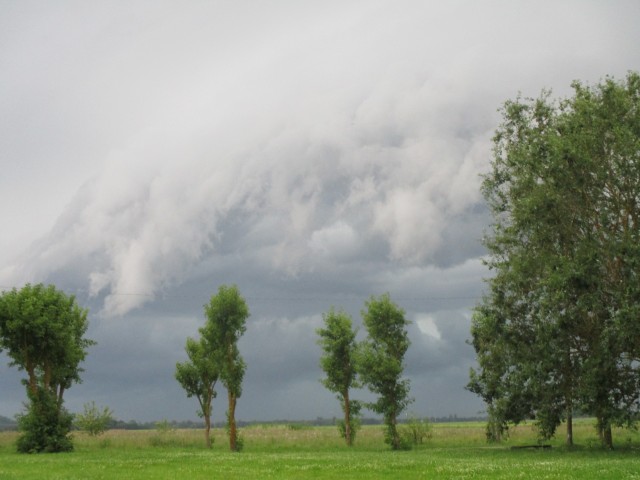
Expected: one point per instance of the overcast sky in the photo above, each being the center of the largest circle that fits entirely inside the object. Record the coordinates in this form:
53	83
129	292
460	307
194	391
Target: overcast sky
314	153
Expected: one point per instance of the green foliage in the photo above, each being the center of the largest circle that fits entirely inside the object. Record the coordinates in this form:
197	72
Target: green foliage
416	431
55	326
337	340
338	361
496	429
42	331
558	328
380	360
355	422
93	420
199	374
227	313
45	426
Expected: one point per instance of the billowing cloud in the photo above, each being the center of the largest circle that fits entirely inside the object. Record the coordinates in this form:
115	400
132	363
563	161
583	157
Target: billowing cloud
156	209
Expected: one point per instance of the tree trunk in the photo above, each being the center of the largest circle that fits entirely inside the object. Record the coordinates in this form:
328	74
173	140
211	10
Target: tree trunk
233	433
207	430
347	418
608	437
568	395
33	381
600	428
59	398
569	426
393	431
47	377
604	432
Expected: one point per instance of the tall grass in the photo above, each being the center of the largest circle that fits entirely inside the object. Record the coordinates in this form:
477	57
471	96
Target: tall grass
296	437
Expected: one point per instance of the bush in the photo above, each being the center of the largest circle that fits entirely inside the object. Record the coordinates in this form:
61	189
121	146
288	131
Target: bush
93	420
45	426
415	431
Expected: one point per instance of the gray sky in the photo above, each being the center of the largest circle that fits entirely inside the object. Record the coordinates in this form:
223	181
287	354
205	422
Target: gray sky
314	153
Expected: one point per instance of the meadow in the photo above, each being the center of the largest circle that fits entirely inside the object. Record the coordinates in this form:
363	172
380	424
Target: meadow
456	450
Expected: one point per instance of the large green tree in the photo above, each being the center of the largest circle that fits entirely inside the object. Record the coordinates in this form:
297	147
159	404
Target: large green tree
381	362
558	327
338	361
227	313
42	330
198	376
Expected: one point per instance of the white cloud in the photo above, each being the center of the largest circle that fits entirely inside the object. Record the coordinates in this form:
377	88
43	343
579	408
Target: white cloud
338	240
427	326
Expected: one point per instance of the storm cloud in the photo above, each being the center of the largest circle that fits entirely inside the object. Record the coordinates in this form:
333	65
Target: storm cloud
314	153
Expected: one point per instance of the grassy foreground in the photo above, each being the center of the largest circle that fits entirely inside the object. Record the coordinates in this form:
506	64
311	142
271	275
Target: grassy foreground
455	451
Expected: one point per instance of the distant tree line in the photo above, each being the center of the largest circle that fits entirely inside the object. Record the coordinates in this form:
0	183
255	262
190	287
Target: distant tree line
558	331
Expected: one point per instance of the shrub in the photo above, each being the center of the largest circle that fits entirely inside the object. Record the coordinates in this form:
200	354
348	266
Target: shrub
415	431
45	426
93	420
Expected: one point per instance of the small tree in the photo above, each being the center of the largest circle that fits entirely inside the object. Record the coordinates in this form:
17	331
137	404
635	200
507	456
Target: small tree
93	420
381	362
198	376
42	330
227	313
416	431
338	343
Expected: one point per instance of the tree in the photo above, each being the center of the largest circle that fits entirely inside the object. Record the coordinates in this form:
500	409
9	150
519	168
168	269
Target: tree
556	330
93	420
198	376
381	358
42	330
338	361
226	314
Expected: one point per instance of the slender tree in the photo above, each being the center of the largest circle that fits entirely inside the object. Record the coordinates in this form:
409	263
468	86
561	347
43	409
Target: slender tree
198	376
381	362
338	361
227	313
42	330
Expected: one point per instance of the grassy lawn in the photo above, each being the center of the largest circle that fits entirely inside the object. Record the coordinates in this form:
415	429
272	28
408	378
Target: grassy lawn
455	451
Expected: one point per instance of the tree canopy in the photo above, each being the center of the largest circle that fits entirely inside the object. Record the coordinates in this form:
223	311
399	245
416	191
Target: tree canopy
557	330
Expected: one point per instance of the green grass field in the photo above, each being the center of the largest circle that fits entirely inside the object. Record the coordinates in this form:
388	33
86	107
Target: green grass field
278	451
